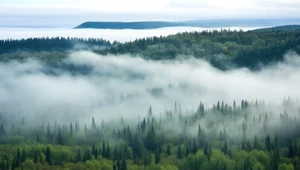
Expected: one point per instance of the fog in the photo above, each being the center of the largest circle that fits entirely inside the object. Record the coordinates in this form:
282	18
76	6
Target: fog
107	34
125	86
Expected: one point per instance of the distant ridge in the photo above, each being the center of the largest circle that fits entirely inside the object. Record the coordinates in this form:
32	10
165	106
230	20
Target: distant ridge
196	23
281	28
129	25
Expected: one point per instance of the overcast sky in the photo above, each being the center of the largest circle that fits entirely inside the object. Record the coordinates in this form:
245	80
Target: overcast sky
77	11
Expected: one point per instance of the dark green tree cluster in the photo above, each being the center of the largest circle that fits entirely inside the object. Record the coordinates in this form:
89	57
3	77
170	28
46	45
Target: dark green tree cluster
55	44
224	49
247	136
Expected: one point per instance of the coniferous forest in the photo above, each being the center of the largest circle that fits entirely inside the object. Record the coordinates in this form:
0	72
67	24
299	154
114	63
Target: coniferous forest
224	49
247	134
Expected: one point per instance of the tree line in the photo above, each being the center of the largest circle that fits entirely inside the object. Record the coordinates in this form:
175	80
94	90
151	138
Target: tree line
50	44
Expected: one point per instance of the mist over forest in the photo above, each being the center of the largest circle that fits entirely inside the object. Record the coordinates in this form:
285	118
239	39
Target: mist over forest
125	35
126	86
194	100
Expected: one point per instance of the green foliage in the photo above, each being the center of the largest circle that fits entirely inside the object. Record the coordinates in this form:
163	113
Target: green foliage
50	44
223	49
28	165
150	143
284	166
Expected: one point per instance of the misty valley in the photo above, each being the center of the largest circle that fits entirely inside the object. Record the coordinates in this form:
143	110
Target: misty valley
212	100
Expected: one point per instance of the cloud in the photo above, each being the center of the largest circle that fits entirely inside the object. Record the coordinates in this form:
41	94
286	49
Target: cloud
94	5
124	86
107	34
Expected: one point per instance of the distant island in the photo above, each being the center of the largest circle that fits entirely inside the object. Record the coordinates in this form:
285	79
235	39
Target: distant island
197	23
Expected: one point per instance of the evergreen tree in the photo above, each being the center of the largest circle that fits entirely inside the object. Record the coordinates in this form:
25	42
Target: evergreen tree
255	143
38	140
225	149
268	143
78	157
87	155
93	123
150	140
48	155
60	139
157	157
2	130
168	150
35	158
123	165
23	155
18	158
71	129
179	153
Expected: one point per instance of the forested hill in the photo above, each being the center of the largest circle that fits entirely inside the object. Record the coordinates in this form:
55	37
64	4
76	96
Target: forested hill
196	23
281	28
223	49
129	25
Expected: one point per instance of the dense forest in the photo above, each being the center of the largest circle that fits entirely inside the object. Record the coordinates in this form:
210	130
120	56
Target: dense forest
50	44
246	134
129	25
281	28
224	49
251	135
49	50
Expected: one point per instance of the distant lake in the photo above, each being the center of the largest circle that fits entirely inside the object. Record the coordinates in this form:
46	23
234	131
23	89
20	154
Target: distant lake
108	34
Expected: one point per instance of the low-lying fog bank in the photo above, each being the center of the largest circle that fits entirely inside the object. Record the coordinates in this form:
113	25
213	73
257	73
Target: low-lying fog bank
125	86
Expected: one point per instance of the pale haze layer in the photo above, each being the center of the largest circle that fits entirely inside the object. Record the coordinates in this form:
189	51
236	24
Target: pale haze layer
127	86
66	13
107	34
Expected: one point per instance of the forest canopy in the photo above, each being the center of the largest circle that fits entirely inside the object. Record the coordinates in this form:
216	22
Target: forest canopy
183	101
224	49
